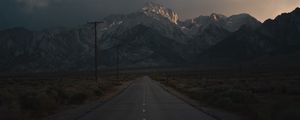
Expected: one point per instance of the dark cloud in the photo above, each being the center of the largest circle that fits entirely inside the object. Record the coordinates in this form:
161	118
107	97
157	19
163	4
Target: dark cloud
37	14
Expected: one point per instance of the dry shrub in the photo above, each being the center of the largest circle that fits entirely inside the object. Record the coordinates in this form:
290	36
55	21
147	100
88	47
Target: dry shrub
38	103
77	98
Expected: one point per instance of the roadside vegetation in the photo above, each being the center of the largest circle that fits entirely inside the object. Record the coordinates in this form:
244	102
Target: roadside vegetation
32	98
256	95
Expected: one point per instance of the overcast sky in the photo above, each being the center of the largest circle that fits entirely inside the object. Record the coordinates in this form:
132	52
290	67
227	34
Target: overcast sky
40	14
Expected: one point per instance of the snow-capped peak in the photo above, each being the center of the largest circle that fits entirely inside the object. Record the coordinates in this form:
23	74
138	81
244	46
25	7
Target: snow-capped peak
154	9
216	17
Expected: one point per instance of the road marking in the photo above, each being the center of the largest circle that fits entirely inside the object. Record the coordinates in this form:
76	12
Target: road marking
144	97
144	102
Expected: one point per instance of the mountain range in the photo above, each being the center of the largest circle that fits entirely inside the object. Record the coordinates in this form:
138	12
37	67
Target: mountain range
153	37
275	42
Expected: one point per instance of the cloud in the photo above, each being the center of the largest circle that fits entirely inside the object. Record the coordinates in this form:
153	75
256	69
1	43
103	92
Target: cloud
261	9
30	5
39	14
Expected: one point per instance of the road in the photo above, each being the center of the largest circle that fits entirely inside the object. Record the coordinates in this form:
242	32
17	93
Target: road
145	100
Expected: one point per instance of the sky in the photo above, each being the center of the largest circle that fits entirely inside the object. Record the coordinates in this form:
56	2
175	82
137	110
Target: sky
42	14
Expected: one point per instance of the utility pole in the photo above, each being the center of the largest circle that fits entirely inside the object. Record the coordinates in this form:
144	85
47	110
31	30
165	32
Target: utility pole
118	62
210	72
96	49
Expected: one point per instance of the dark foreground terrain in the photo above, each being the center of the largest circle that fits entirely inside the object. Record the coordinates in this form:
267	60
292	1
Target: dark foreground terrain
35	96
270	94
254	94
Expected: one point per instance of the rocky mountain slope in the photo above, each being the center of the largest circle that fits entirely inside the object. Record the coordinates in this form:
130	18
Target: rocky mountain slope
152	36
278	38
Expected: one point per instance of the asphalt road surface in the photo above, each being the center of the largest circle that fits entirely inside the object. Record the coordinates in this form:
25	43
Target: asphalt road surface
146	100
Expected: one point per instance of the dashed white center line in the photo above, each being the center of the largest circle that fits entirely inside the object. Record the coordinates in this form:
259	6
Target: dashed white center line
144	104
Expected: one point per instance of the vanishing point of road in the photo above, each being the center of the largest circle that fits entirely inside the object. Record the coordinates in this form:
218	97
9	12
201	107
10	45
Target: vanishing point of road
144	99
